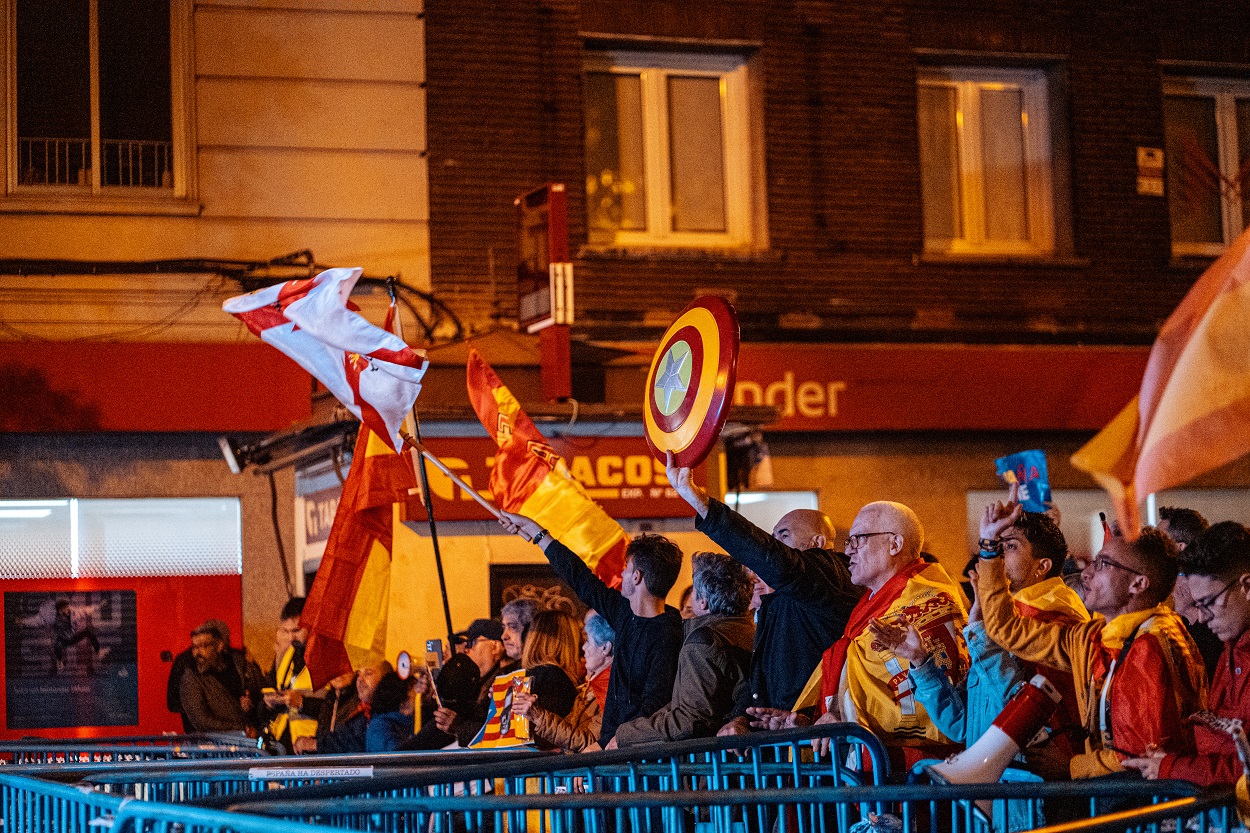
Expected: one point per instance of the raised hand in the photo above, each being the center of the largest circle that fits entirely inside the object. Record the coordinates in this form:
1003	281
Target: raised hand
899	638
519	525
999	515
683	481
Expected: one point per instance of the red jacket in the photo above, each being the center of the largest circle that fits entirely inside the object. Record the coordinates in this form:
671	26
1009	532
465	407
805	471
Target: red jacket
1216	760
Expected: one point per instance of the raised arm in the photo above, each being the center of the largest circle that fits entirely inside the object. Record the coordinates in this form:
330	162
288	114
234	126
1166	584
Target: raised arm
779	566
570	568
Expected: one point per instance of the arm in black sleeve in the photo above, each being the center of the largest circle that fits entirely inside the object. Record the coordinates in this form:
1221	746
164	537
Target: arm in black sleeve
609	603
778	565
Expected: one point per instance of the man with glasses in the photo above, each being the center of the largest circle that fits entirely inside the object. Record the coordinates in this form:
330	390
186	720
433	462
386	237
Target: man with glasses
1185	527
1034	551
463	710
859	678
1218	567
1138	674
810	600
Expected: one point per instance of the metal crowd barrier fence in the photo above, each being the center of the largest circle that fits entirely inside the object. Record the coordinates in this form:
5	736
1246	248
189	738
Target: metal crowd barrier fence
810	809
759	761
30	751
1215	810
30	805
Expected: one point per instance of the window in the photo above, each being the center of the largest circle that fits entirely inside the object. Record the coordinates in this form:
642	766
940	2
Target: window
985	161
1207	153
95	101
669	153
106	538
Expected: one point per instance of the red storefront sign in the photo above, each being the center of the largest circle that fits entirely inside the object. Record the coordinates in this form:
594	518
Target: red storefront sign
619	473
842	387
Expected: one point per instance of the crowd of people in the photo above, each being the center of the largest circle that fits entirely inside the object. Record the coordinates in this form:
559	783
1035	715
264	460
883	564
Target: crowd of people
783	630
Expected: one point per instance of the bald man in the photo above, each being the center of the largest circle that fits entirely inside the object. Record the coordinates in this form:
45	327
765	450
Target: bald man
860	679
811	600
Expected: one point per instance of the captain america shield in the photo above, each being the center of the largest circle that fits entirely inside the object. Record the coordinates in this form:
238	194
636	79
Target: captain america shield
691	381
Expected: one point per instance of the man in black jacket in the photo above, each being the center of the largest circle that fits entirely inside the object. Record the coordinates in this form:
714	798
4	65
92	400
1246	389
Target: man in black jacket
812	594
715	659
648	632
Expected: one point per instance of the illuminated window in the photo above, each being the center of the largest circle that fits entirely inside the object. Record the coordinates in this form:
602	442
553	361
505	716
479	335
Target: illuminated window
1207	125
97	99
985	161
668	150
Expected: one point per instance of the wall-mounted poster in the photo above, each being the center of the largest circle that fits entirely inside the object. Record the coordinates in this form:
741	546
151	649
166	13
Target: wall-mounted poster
70	659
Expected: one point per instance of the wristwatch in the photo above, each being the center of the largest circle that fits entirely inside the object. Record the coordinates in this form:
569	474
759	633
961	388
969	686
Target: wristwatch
990	548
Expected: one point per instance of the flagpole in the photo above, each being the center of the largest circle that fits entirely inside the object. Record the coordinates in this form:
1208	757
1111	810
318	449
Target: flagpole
425	484
415	445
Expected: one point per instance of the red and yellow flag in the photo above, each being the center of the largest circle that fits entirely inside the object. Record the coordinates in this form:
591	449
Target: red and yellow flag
530	479
346	609
1193	412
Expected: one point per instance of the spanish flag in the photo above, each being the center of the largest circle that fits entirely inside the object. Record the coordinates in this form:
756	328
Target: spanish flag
1193	412
530	479
346	609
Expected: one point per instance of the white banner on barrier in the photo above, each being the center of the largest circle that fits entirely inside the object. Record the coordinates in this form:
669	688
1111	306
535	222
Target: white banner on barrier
260	773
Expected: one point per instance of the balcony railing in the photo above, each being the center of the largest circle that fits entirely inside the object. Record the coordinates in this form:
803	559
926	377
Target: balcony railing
127	163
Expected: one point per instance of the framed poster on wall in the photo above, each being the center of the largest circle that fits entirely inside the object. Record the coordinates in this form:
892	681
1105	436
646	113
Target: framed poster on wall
70	659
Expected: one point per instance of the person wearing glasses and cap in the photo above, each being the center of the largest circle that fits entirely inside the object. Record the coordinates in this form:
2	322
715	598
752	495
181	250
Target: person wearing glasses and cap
1137	673
1218	567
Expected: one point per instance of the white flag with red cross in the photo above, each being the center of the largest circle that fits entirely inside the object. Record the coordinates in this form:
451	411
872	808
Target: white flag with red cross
371	371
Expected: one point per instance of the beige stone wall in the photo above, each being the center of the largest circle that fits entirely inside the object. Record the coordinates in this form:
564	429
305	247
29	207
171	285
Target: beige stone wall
305	123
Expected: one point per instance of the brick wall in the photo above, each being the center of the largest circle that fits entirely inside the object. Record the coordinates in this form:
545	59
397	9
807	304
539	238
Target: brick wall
843	183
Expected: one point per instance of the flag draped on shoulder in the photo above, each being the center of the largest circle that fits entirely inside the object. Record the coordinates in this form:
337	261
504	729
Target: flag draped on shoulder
346	609
530	479
1193	412
370	370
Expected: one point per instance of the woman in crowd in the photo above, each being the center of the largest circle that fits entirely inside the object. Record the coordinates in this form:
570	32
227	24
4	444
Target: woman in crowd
597	652
550	658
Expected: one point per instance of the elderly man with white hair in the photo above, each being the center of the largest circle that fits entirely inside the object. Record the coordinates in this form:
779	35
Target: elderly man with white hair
859	679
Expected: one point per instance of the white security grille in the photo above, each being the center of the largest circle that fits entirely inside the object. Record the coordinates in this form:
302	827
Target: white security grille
105	538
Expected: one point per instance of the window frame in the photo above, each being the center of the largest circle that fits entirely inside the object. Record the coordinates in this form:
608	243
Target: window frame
1224	92
1039	161
96	198
739	136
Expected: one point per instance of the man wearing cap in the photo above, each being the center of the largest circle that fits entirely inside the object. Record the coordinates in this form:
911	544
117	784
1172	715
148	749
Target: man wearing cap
460	715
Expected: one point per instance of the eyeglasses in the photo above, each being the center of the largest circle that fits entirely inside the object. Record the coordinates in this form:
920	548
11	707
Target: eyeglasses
854	542
1204	604
1102	562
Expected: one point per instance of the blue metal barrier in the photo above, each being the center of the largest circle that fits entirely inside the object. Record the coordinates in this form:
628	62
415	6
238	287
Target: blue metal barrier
812	809
147	748
763	760
1215	810
33	806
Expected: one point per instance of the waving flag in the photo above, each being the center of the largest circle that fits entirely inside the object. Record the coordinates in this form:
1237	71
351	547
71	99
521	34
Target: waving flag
530	479
1193	412
371	371
347	606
